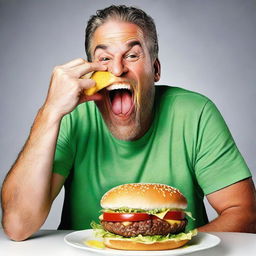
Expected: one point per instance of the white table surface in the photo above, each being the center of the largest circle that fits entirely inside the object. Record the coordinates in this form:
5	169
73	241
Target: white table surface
50	242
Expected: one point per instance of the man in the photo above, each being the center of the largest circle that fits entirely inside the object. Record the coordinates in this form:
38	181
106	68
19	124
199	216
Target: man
139	134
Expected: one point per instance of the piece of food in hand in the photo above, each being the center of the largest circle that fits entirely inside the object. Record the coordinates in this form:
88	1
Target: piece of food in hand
102	79
143	216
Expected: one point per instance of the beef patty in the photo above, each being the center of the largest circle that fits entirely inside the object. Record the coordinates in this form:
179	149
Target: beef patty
145	227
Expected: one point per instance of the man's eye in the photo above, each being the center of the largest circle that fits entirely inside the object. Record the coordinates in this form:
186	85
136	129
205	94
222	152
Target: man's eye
131	56
104	59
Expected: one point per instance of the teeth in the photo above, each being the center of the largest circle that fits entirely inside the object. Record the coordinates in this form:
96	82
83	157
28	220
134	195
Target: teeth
118	86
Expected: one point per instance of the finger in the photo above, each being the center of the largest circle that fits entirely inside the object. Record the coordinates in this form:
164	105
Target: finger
74	63
95	97
86	83
83	69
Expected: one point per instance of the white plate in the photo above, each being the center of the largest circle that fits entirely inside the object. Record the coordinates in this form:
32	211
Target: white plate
200	242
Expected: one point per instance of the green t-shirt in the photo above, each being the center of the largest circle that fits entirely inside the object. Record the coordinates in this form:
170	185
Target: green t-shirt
188	146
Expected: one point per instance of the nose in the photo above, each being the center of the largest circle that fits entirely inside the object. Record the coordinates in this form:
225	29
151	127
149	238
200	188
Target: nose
117	67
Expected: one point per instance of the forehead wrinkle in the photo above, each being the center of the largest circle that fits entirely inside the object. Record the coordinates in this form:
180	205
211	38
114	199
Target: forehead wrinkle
102	39
122	35
117	37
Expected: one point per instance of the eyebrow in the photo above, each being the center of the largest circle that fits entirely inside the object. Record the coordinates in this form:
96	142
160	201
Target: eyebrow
133	43
100	46
130	45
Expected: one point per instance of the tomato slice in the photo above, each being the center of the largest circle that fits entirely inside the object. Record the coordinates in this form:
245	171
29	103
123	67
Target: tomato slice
116	216
174	215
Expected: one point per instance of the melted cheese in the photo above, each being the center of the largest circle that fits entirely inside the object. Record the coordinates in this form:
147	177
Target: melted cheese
161	214
171	222
94	244
126	223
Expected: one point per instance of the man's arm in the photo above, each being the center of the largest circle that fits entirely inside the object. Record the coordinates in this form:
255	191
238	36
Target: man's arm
236	207
30	186
26	192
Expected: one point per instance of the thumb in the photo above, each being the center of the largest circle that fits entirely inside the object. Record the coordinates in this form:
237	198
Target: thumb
94	97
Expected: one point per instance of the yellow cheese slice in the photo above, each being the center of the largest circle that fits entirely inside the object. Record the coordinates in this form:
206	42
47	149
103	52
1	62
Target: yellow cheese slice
161	214
102	79
171	222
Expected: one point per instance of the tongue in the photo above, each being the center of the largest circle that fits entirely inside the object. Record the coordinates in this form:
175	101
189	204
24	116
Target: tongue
121	103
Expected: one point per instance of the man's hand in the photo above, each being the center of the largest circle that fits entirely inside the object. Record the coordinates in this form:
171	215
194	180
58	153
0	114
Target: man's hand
67	87
30	186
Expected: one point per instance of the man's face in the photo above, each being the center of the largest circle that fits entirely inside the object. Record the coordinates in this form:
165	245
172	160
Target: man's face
122	47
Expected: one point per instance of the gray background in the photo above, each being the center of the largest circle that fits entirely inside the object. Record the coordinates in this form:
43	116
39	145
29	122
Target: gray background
208	46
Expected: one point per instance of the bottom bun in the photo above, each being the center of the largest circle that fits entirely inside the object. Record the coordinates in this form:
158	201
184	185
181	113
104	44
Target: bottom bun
139	246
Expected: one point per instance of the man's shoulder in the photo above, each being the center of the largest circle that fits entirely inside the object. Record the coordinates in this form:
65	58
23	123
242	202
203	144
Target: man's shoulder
180	96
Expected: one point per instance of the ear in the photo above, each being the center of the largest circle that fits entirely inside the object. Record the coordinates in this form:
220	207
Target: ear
157	70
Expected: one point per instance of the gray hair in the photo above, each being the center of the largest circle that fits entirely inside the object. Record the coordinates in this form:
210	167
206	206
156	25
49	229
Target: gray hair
127	14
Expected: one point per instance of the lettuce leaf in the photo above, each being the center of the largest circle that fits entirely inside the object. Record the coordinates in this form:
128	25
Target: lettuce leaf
100	232
189	214
131	210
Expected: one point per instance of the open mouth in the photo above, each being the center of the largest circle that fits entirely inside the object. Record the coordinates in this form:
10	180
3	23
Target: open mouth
121	98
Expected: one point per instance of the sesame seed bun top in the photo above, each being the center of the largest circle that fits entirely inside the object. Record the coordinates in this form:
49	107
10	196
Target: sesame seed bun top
146	196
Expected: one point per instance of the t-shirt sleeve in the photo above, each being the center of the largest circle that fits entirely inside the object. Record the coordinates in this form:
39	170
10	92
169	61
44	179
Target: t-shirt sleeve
64	153
218	161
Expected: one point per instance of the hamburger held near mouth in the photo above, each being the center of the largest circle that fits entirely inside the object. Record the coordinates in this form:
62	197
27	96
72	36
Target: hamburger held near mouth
143	216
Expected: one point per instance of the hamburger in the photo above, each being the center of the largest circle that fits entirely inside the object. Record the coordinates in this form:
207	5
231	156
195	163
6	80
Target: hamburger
143	216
